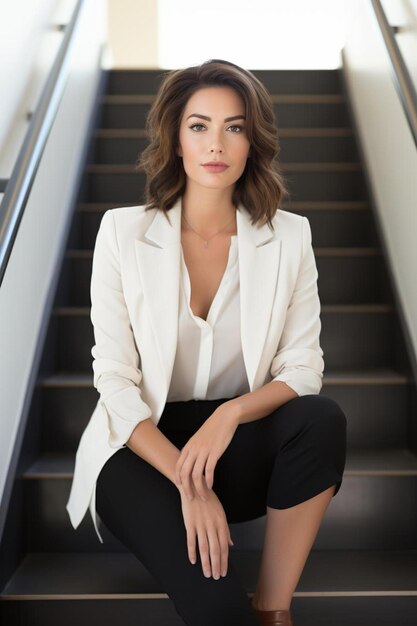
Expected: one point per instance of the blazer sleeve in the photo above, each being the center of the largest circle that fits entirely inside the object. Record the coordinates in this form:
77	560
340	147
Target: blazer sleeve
116	370
299	359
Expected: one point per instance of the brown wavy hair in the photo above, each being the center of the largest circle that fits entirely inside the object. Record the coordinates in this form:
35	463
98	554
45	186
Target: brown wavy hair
261	187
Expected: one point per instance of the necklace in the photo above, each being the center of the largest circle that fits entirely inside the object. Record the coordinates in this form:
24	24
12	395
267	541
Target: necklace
207	240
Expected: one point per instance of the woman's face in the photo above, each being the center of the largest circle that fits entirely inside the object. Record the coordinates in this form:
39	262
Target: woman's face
212	128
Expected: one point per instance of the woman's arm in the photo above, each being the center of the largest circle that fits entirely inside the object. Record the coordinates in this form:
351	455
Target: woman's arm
298	361
116	360
148	442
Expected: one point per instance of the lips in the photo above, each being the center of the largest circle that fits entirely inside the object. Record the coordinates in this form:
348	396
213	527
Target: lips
215	167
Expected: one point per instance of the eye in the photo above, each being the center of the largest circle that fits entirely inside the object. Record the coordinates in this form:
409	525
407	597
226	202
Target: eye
197	127
241	128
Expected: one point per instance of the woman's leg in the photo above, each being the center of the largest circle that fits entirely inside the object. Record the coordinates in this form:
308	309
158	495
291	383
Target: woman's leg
293	461
142	508
289	536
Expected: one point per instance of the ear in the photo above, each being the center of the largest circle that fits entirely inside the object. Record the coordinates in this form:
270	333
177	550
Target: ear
179	151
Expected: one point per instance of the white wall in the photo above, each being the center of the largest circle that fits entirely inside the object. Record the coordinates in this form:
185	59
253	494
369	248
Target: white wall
388	146
263	34
41	237
133	33
28	45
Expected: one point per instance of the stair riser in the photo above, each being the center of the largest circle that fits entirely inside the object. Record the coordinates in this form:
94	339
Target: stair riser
353	339
315	611
276	81
313	186
344	227
369	409
341	280
293	150
368	513
291	115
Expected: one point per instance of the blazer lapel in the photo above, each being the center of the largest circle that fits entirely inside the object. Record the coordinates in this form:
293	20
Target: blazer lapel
158	259
259	258
158	255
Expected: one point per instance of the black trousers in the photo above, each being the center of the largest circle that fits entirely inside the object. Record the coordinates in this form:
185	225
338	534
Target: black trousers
280	460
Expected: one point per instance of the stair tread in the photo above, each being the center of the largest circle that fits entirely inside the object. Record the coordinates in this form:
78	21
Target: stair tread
305	166
375	375
331	572
287	131
301	205
319	251
357	307
277	98
359	461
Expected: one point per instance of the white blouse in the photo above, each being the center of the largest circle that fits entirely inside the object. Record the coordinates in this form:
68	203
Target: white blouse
209	361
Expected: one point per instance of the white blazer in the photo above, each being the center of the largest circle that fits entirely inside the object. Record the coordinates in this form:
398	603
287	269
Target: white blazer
135	286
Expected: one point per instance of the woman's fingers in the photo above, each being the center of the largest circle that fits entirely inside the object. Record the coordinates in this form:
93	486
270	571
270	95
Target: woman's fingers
191	545
191	475
209	470
215	552
197	476
185	476
203	546
224	549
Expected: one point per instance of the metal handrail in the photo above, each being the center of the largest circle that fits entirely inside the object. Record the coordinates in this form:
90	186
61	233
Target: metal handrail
18	187
399	72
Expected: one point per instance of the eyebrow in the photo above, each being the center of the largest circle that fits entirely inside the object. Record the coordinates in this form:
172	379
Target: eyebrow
226	119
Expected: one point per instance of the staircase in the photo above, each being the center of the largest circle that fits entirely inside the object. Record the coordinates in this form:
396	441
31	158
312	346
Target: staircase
362	570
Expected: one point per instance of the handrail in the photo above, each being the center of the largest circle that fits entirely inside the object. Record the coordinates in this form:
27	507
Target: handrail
400	74
18	187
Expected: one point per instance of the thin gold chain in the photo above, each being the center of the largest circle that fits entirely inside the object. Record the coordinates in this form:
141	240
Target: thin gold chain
207	240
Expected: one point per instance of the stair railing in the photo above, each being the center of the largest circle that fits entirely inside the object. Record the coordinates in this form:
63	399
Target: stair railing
17	188
399	71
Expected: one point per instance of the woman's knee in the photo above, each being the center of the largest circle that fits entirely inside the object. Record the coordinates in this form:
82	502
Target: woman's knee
317	413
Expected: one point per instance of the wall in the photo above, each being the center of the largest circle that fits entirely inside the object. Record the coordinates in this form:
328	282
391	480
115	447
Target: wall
28	285
28	42
389	149
133	33
264	34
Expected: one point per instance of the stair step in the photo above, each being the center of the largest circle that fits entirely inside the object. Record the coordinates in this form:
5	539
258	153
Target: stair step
387	462
303	205
126	168
377	588
316	145
339	251
314	182
147	81
302	131
341	324
370	397
288	114
363	516
325	308
334	226
374	376
284	98
121	575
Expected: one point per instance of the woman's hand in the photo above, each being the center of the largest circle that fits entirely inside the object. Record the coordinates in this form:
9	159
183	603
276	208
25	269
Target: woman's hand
202	451
207	521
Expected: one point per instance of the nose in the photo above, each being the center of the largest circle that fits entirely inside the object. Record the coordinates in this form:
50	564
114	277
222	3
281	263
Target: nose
215	143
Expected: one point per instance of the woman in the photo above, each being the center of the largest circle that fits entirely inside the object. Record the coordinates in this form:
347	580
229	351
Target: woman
207	359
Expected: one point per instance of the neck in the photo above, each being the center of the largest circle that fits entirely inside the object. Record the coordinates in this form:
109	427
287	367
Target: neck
208	212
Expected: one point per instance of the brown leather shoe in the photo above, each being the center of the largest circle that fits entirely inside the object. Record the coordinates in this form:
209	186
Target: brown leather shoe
274	618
